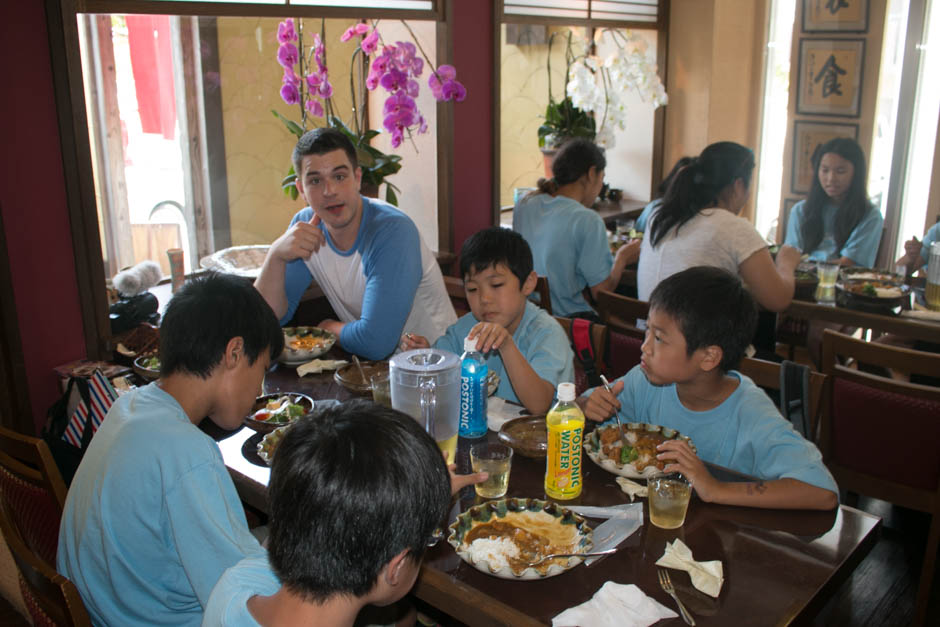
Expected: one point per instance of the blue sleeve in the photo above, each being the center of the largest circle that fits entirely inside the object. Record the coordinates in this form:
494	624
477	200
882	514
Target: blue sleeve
632	397
391	261
453	337
549	353
640	224
932	235
862	246
297	277
794	223
595	261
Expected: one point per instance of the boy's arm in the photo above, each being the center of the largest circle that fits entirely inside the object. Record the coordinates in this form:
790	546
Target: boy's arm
534	392
783	493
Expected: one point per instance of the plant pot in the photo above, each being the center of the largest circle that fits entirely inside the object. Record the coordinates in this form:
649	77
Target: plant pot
548	156
369	190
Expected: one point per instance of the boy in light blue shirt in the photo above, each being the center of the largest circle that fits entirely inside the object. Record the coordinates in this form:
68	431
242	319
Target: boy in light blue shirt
521	342
917	252
700	322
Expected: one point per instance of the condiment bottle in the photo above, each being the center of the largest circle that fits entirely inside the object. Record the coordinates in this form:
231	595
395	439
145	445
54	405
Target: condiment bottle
565	424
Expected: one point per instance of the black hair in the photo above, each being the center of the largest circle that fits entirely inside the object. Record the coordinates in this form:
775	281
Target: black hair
666	182
573	160
484	249
351	487
320	141
698	185
207	312
712	308
854	207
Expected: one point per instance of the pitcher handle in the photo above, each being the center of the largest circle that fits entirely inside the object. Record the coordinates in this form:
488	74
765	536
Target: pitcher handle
428	401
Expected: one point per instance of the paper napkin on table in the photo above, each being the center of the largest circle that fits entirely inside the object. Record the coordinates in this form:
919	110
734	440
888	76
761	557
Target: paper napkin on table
610	533
319	365
615	605
706	576
499	412
612	511
632	488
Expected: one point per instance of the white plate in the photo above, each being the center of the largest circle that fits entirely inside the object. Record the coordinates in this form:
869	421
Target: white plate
593	450
297	356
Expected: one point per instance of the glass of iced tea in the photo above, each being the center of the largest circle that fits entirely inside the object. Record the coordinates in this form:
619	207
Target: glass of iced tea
381	392
496	460
668	500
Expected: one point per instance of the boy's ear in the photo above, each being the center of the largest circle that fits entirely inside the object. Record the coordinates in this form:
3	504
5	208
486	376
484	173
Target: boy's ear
234	350
394	571
528	286
711	357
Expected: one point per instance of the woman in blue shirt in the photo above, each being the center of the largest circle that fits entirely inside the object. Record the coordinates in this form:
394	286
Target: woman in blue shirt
837	222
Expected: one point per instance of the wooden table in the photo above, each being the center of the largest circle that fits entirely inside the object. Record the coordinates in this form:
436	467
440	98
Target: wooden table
885	323
780	566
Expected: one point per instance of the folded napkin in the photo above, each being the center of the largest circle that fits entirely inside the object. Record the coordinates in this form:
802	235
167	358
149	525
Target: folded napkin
499	412
632	488
319	365
706	576
615	605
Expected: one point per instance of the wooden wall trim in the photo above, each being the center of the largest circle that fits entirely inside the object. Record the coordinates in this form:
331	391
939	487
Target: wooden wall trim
15	408
157	7
659	116
445	138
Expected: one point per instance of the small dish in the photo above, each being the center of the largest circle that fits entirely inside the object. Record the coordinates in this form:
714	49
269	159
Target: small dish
349	377
492	383
527	435
146	367
594	450
302	344
550	521
263	426
269	443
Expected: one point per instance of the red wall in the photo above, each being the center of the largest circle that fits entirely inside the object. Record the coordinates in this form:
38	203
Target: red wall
32	198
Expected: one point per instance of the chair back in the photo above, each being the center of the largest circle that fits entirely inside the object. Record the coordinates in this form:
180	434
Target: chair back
624	353
879	436
621	313
51	599
458	295
544	292
769	375
32	490
598	346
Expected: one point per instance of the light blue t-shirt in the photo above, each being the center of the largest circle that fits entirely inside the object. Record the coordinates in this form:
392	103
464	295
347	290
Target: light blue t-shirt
861	247
540	339
648	210
152	518
745	433
569	246
386	284
228	604
932	235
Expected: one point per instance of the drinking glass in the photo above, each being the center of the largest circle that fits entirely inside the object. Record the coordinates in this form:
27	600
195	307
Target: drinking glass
827	273
381	391
496	460
668	500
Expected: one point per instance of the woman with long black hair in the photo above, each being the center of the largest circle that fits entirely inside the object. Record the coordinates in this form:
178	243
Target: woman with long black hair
698	225
837	222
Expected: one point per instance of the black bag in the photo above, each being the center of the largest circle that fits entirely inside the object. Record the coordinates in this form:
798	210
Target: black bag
67	456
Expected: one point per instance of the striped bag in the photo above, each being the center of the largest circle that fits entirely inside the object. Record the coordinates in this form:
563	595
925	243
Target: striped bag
101	395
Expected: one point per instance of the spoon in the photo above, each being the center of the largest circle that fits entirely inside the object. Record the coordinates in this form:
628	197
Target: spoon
359	368
553	555
623	437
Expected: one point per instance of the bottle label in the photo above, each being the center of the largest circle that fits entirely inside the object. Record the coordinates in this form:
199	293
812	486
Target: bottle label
563	470
473	405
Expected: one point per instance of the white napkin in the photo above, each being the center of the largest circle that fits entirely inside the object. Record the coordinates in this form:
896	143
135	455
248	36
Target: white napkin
499	412
319	365
615	605
706	576
632	488
610	533
613	511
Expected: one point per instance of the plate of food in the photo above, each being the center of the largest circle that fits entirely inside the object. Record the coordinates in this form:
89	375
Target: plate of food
302	344
148	366
877	295
349	377
269	443
501	538
271	411
527	435
638	459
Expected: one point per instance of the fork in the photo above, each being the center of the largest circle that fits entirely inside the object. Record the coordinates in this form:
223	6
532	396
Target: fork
623	436
553	555
666	584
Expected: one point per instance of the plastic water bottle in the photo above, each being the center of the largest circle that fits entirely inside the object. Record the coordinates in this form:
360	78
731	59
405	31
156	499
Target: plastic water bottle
473	371
565	424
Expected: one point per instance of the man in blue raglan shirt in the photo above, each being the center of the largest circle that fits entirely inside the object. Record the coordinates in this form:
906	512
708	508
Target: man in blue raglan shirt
367	256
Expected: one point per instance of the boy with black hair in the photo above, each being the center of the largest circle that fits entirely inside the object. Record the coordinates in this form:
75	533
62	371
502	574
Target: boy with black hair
700	323
522	342
152	518
356	491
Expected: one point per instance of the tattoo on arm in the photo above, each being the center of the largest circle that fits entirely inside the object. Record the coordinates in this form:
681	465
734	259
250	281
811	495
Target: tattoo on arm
760	487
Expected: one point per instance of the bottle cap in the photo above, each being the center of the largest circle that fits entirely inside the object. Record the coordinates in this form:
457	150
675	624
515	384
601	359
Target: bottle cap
469	345
566	392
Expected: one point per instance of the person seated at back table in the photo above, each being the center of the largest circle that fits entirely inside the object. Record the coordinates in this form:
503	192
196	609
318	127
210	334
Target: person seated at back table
152	518
356	491
917	252
568	240
523	343
700	322
654	204
837	222
367	256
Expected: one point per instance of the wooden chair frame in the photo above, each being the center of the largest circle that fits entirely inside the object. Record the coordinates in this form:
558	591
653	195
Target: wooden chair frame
835	345
620	313
30	459
766	374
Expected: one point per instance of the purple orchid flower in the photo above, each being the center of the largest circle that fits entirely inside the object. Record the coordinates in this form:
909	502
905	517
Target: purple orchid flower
393	80
287	54
286	31
445	86
290	94
325	90
314	108
314	80
370	43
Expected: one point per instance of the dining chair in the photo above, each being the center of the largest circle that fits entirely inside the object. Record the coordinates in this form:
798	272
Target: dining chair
624	352
544	292
50	598
879	436
598	334
622	313
771	376
458	295
32	490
